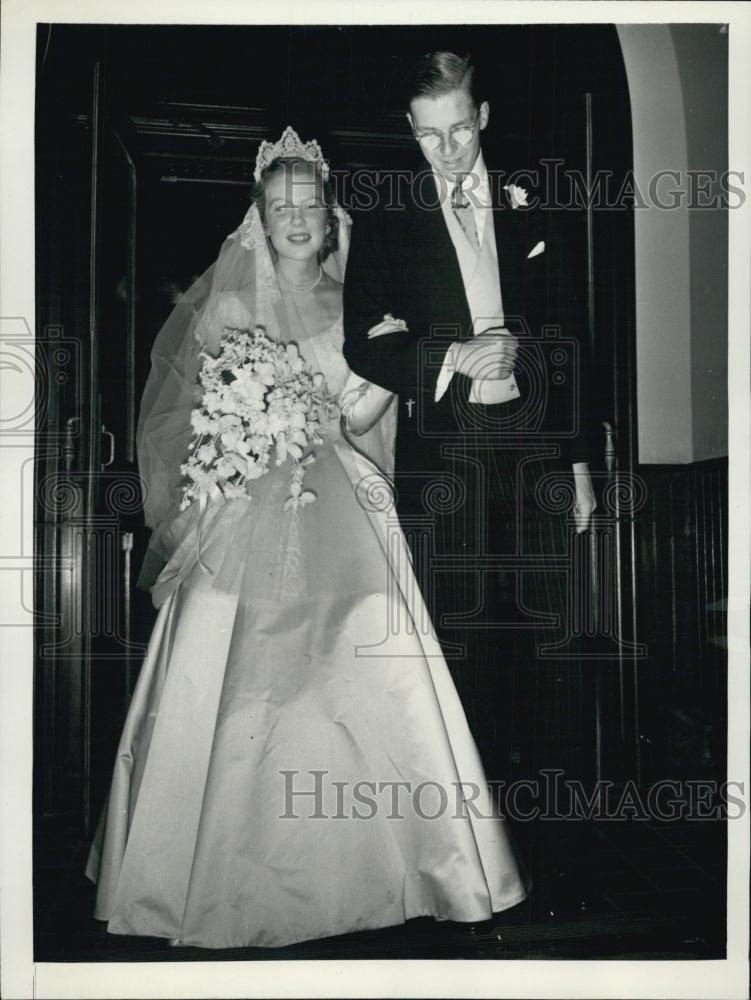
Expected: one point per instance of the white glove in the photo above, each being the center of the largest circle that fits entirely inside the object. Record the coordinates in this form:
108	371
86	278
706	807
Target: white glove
586	503
362	404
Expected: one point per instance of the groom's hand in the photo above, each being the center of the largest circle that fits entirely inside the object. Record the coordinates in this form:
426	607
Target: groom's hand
489	355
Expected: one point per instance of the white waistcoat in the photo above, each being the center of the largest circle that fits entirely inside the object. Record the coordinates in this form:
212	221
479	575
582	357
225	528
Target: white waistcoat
482	287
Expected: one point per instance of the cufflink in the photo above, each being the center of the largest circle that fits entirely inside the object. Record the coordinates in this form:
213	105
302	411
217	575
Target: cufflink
537	249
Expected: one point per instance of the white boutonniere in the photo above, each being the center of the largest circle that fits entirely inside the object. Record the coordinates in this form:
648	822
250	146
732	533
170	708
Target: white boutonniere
517	195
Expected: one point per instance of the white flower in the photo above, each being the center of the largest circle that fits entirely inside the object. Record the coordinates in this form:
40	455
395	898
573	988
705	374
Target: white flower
247	384
202	480
275	423
266	372
225	467
212	401
255	405
517	195
200	422
239	462
254	469
230	440
306	497
206	454
229	421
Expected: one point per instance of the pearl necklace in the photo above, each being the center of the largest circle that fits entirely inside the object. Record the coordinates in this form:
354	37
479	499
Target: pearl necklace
300	289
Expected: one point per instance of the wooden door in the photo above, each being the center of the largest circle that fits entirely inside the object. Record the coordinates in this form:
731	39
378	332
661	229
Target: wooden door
88	490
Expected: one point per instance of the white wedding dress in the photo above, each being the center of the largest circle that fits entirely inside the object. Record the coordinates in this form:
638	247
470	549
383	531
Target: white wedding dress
294	657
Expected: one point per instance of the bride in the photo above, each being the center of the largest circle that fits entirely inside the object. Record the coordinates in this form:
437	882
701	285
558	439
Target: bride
295	762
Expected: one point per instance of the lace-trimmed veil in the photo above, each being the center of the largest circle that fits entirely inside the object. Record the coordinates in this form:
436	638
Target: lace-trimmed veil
238	290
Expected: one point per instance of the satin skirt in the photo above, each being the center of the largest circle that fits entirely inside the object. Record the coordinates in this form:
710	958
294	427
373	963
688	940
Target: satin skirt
295	762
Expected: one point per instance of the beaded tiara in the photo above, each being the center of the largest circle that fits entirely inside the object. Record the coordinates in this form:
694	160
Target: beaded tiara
290	145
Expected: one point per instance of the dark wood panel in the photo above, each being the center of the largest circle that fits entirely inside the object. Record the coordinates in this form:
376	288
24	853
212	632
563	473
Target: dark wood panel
62	260
682	590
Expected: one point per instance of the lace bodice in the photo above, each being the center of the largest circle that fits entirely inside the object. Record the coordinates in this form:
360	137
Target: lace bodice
324	353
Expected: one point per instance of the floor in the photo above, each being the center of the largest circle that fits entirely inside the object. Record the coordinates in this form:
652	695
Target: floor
626	889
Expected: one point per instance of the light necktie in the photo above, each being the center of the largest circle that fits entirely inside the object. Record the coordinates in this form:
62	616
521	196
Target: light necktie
465	217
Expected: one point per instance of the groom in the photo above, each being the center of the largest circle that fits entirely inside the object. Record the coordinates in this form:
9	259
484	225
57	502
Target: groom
459	300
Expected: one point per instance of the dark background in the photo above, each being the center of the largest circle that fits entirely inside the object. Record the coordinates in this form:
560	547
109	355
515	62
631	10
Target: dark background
145	146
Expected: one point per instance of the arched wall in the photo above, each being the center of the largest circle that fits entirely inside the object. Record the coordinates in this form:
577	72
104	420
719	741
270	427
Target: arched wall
677	78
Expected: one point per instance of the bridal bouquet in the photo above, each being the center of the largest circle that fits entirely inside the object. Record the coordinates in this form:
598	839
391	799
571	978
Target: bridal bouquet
259	402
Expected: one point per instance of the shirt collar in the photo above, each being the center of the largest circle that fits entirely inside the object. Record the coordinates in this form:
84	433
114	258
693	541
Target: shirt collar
476	182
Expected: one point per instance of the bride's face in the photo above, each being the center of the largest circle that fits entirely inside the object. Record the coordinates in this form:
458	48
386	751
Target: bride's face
295	214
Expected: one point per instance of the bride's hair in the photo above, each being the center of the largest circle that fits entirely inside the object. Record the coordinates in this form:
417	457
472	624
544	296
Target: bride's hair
258	196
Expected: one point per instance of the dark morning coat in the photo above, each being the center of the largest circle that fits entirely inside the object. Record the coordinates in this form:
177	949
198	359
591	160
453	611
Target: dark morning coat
402	262
480	478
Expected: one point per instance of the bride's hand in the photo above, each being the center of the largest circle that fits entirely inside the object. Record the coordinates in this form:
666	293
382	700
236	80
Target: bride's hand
362	405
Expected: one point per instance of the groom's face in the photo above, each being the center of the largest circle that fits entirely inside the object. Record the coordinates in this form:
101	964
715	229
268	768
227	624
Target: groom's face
448	129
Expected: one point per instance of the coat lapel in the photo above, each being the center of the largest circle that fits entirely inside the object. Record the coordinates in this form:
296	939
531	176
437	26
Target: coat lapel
516	233
511	239
438	256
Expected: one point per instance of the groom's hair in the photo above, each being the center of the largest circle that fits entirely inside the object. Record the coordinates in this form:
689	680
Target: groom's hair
438	73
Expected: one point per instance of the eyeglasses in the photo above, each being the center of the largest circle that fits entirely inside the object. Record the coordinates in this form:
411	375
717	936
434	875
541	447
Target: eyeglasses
460	134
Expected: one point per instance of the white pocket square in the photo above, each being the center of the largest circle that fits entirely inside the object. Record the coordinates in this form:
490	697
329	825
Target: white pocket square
537	249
